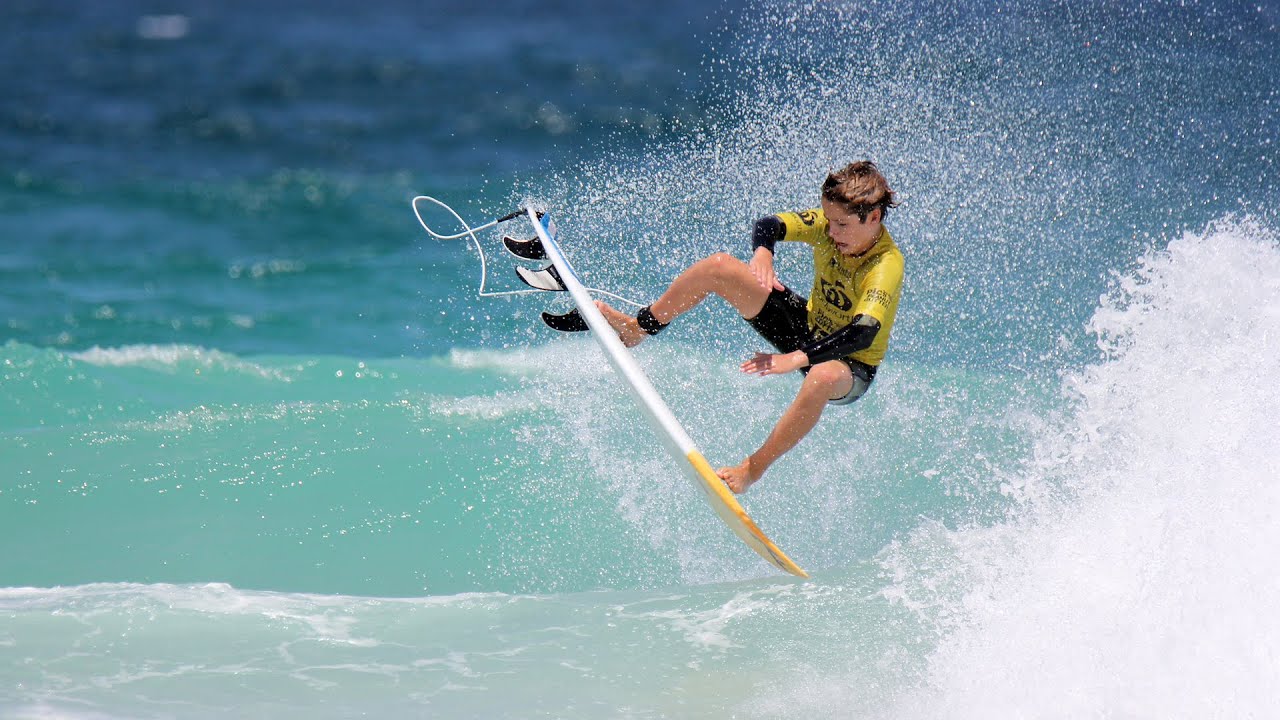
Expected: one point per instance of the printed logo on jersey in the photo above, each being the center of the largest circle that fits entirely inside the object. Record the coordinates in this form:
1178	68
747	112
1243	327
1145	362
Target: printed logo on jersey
878	296
835	295
821	325
808	217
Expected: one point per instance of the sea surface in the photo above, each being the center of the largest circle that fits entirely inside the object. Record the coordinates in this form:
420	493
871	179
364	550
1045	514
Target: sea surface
265	452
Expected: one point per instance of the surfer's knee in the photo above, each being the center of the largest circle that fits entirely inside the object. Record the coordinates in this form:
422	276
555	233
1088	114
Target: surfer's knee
831	379
721	264
726	275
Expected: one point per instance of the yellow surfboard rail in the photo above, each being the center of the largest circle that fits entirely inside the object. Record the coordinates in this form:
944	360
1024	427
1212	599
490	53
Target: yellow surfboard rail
673	436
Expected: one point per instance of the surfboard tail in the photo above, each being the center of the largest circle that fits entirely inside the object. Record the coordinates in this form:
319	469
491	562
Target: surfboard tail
733	514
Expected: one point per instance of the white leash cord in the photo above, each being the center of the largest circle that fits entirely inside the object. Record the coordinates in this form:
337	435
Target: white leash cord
469	231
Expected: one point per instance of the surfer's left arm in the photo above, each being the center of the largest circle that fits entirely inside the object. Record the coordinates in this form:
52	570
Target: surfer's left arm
775	363
857	335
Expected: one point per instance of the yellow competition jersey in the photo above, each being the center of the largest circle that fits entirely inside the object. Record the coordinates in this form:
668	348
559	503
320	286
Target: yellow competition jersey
847	286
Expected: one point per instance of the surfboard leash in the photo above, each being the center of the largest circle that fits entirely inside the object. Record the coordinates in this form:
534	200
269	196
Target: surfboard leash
539	281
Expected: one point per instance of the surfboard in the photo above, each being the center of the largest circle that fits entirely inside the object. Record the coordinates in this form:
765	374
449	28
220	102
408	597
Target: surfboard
561	276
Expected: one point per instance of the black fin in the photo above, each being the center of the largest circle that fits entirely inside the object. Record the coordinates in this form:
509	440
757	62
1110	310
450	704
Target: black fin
525	249
569	322
545	279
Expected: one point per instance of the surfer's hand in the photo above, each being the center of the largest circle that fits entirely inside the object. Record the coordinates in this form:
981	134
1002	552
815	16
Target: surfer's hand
773	364
762	267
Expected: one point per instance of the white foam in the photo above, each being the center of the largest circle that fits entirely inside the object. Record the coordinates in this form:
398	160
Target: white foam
579	355
172	358
485	408
46	712
163	27
1138	580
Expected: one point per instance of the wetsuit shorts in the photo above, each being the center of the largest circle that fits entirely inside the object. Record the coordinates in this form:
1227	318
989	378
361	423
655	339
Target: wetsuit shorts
784	322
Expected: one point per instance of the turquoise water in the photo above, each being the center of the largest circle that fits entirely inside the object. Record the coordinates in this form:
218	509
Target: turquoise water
264	452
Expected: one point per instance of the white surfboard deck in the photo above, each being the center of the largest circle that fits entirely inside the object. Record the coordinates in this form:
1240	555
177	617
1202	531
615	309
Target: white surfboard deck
664	423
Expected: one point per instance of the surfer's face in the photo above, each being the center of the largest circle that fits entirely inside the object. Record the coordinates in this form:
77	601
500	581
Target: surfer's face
851	234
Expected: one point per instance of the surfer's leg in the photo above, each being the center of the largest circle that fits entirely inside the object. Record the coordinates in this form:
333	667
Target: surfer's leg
721	274
825	381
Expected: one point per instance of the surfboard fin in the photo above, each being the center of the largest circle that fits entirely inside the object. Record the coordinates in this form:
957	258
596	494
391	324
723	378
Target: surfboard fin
525	249
546	279
569	322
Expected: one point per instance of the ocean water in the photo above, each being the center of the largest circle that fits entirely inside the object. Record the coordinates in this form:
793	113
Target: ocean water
265	452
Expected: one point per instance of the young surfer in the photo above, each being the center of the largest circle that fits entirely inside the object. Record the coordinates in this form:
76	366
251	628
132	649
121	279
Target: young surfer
837	337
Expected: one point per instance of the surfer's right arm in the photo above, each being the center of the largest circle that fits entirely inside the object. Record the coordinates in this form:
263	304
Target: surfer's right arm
766	233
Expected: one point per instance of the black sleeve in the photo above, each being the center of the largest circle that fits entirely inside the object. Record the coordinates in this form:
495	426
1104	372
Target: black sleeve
857	335
768	230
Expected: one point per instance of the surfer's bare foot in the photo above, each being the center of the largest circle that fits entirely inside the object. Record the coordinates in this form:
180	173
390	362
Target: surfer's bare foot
628	329
741	477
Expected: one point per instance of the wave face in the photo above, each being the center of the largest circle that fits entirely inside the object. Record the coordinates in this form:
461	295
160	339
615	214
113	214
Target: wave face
264	453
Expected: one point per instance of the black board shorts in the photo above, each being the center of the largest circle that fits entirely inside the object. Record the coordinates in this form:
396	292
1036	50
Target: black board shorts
784	322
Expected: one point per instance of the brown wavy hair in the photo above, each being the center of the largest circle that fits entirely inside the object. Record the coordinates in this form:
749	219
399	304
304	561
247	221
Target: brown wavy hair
860	188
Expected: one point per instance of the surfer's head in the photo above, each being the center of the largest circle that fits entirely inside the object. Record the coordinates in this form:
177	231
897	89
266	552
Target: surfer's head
855	200
859	189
